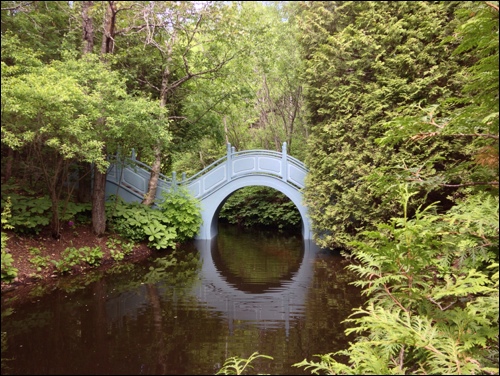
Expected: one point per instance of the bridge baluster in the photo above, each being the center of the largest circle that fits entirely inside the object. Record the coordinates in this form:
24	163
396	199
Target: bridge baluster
174	181
228	163
284	167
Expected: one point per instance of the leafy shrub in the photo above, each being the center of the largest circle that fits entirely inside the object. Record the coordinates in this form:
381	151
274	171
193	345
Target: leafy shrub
118	249
181	211
40	262
73	257
177	218
140	223
8	271
30	214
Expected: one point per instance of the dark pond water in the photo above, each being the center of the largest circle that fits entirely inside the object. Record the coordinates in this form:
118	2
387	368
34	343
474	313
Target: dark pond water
186	313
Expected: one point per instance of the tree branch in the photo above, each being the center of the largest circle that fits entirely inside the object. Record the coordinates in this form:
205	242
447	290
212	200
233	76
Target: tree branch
421	136
469	184
19	6
492	5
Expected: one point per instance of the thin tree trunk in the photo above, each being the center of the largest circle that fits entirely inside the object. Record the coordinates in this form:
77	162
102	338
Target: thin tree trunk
87	28
98	203
150	196
7	173
156	166
99	188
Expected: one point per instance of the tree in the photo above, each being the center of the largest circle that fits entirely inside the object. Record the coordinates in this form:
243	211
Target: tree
432	277
184	42
71	111
365	64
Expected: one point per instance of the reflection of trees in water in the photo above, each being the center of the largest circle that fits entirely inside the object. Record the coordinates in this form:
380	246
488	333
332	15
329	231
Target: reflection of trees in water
155	325
256	261
176	271
331	296
158	339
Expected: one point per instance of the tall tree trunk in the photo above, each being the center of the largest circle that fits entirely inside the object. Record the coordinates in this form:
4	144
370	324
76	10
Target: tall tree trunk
87	28
108	32
99	188
98	203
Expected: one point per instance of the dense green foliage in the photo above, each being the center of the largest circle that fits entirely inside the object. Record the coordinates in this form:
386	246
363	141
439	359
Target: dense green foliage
261	206
73	257
68	112
222	71
9	272
365	64
177	218
431	272
432	282
30	213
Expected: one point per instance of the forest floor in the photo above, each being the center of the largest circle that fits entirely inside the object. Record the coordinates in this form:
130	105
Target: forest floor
22	248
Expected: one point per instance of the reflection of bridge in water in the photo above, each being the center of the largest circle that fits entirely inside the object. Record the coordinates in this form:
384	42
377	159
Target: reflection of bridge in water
274	306
218	181
266	308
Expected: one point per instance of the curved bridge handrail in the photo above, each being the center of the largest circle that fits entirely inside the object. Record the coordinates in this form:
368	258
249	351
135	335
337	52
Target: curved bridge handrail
255	152
272	153
134	163
211	166
297	163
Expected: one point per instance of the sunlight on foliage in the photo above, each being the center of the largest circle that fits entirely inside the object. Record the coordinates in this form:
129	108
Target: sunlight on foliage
237	366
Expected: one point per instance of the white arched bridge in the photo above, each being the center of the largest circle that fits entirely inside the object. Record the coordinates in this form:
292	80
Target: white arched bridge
216	183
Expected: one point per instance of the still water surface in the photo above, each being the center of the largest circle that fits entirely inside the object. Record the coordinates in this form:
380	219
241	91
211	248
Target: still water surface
186	313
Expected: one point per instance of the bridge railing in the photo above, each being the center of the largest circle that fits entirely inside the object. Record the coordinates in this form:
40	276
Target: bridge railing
133	176
243	163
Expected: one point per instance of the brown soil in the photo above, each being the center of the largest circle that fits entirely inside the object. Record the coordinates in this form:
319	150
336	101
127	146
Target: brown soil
82	236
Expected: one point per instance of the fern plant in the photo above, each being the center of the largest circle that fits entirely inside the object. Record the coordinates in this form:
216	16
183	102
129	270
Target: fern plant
237	366
432	284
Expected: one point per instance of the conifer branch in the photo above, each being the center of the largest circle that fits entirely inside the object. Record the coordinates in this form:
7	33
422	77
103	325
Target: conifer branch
492	5
421	136
469	184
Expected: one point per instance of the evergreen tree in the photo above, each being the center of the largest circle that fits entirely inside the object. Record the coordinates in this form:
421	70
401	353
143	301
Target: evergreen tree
365	64
431	275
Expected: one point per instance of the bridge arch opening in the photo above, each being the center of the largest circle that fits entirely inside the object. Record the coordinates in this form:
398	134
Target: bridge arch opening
259	264
260	207
212	204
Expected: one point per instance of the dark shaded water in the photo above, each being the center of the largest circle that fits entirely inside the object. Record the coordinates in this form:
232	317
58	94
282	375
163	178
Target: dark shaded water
186	313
